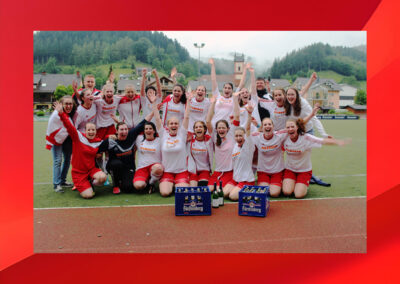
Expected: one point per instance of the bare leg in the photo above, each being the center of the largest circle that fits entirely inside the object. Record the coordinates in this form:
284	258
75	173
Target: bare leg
166	188
300	190
234	194
288	186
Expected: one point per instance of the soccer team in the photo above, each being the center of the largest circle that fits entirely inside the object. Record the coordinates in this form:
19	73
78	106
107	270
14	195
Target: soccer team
197	141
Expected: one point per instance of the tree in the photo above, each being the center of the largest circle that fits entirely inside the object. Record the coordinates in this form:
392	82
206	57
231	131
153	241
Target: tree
361	97
51	66
140	48
61	91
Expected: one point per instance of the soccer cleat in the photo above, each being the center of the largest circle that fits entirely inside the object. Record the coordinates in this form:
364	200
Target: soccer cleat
315	180
116	190
151	188
58	189
67	184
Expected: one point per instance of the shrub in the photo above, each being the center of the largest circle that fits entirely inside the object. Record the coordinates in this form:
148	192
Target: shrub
40	113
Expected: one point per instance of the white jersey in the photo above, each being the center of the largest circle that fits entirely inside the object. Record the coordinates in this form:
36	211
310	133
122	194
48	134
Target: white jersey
198	150
298	154
244	116
147	108
171	109
306	110
270	153
173	148
104	111
223	108
84	116
198	111
223	153
149	152
277	114
242	161
129	111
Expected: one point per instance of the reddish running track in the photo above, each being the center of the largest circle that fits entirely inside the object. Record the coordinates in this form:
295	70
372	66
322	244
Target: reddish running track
299	226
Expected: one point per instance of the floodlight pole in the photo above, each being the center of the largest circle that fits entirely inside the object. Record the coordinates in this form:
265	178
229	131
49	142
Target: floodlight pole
201	45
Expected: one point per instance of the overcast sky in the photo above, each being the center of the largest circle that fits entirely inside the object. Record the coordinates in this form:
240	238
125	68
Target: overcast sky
262	45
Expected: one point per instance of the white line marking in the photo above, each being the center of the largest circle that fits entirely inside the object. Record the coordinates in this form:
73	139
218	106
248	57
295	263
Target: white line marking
160	205
329	176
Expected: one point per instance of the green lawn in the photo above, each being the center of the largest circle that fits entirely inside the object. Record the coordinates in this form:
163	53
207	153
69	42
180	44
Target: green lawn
335	164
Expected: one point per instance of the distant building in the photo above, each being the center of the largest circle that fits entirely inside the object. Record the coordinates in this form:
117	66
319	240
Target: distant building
279	84
360	110
45	84
347	95
326	92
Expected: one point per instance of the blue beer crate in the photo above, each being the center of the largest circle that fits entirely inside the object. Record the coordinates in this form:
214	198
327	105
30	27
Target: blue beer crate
192	201
254	201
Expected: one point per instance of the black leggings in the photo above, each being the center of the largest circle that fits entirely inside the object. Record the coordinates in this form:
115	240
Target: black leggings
121	174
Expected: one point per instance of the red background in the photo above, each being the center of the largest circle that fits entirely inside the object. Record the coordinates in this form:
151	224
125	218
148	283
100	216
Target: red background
19	19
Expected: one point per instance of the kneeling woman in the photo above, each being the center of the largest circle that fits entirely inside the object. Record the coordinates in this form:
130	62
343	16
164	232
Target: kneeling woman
148	146
298	166
84	151
173	152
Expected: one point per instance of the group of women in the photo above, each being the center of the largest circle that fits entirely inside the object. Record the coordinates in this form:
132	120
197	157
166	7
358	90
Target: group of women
196	141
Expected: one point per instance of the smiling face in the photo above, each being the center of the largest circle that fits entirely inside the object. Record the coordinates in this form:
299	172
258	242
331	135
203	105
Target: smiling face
199	129
129	93
227	90
177	93
222	129
68	105
108	94
291	128
149	132
245	96
291	96
239	137
267	127
89	82
200	93
260	84
87	98
122	132
90	130
279	97
173	125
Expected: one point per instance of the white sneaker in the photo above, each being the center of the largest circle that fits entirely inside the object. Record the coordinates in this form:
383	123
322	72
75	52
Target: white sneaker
58	189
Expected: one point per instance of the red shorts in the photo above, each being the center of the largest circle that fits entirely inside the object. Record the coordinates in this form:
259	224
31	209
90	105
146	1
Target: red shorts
143	174
81	179
275	179
226	177
303	177
176	178
243	183
104	132
200	175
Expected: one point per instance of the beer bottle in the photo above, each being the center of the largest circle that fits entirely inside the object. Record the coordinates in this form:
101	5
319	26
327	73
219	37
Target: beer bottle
221	194
215	199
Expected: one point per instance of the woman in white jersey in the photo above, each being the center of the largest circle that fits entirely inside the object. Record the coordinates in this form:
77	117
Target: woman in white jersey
60	144
199	106
146	92
86	111
200	155
242	156
298	168
149	169
173	152
174	104
223	138
224	103
129	107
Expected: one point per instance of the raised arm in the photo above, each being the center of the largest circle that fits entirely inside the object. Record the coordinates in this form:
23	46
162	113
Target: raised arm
65	120
249	109
173	75
253	85
214	83
159	90
333	141
312	114
143	85
185	123
210	114
236	108
244	74
307	86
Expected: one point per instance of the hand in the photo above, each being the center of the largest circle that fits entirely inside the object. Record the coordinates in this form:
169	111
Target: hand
251	70
316	109
249	107
154	72
173	72
111	77
344	142
159	106
144	72
248	65
112	136
58	107
236	94
212	99
114	117
313	76
211	61
75	86
254	121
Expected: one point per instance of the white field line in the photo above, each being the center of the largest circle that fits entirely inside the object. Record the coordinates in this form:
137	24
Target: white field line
329	176
167	205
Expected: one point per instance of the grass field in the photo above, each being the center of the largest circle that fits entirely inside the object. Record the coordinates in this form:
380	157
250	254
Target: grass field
344	167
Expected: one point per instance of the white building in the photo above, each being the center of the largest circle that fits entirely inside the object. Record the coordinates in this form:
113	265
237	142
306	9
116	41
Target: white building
347	95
